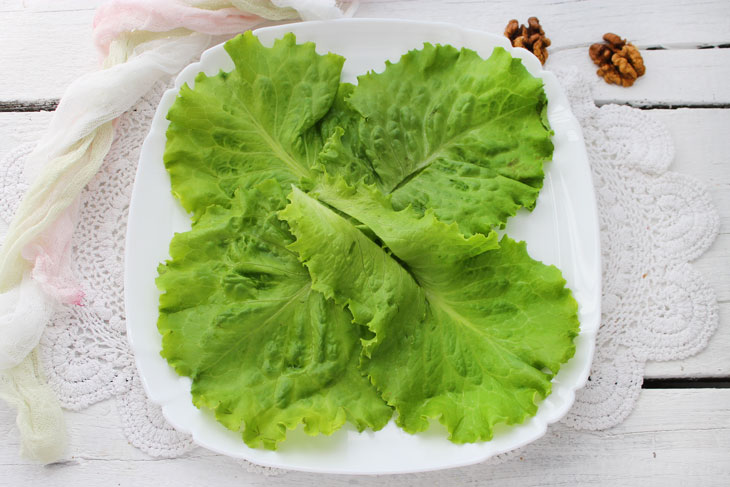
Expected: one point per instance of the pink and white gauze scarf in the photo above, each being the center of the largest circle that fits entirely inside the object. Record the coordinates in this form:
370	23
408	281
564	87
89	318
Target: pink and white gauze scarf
140	41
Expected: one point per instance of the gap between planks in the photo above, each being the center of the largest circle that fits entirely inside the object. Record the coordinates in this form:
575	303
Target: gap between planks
687	383
50	105
20	106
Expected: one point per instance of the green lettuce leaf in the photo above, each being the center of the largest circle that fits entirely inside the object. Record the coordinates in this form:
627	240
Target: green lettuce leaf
464	333
446	130
342	154
440	129
239	316
256	121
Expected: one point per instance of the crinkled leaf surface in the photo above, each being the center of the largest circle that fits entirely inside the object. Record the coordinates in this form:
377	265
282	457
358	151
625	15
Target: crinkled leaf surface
472	334
466	330
256	121
239	316
446	130
342	154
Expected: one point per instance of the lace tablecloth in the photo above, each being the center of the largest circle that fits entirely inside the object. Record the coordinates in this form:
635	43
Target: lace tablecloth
655	305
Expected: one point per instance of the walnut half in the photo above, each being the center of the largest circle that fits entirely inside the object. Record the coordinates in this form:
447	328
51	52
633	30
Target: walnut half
530	37
618	62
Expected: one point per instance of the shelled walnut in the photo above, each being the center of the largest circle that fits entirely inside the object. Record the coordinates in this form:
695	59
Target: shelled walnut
530	37
618	62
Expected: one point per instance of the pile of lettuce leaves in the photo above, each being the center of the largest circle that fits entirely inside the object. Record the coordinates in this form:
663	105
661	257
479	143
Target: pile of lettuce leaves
343	263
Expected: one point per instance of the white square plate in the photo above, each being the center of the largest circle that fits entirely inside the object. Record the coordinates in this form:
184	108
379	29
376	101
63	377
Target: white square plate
562	230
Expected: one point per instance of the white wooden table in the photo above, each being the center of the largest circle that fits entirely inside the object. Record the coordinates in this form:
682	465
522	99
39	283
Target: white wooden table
679	433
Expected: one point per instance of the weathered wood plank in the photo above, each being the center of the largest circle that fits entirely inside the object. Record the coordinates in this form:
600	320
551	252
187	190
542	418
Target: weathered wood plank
649	23
43	52
21	128
703	151
46	44
48	5
673	438
682	77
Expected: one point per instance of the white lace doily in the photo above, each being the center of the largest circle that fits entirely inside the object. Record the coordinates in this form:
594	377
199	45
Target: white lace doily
655	305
